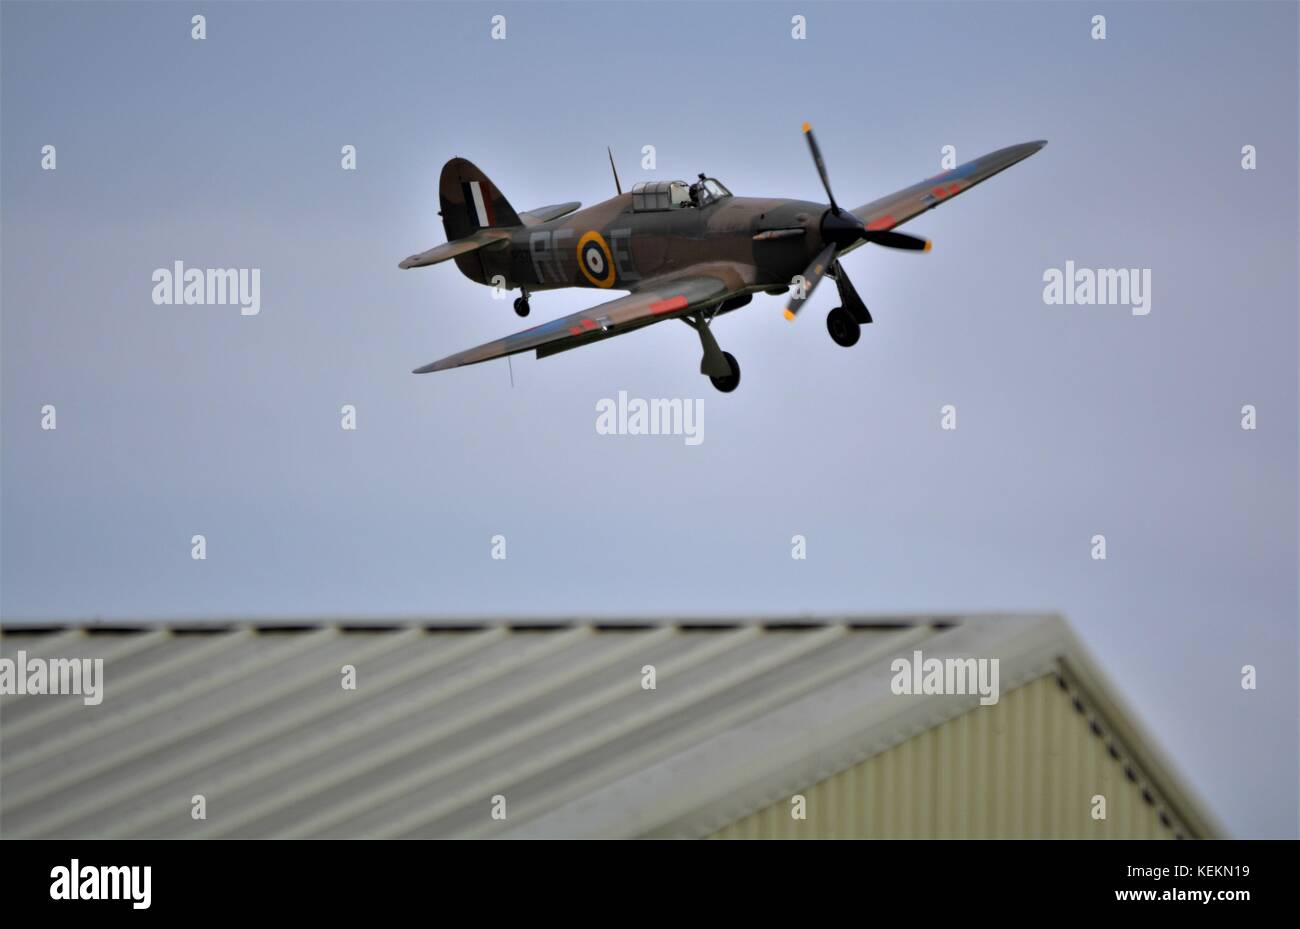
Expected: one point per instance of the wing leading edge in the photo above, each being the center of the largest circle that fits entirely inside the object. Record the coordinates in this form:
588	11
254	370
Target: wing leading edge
650	303
897	208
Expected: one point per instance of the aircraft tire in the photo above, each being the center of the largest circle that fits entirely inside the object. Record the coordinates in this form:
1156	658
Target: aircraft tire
731	381
844	329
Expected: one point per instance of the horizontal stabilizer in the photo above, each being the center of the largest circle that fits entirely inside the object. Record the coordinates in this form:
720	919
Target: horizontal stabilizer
484	238
544	214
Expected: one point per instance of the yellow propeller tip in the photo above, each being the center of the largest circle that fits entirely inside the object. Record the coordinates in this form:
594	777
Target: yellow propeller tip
807	128
789	314
928	245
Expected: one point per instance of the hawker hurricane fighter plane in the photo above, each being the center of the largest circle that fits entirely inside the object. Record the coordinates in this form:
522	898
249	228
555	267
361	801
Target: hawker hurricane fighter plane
689	252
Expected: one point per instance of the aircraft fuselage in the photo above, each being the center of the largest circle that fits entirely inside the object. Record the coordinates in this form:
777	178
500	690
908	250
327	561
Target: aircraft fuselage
609	246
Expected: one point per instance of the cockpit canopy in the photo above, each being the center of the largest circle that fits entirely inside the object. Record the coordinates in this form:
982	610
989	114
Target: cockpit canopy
708	190
649	196
660	195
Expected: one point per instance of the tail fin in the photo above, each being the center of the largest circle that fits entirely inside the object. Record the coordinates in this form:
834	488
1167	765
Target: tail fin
471	202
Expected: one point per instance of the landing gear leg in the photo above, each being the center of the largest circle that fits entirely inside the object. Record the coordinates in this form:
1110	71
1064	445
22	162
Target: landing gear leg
845	322
521	304
849	298
720	367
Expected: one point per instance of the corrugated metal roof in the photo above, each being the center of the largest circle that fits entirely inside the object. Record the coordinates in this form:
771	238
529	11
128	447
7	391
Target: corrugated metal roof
1027	767
552	717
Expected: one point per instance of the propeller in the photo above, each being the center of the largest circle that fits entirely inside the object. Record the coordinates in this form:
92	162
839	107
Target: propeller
891	239
841	230
811	278
821	167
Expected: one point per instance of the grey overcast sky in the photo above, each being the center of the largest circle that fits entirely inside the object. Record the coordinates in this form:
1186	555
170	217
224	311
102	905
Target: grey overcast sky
1072	420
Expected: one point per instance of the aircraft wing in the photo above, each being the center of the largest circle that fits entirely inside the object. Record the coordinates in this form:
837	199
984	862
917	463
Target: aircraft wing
899	207
655	300
544	214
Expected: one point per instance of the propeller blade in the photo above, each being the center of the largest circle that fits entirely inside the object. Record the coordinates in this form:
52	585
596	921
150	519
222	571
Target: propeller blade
901	240
821	167
811	278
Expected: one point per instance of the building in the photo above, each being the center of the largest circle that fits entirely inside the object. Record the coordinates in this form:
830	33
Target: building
627	729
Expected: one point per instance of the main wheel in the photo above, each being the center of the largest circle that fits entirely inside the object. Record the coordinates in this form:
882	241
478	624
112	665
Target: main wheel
844	329
521	306
731	381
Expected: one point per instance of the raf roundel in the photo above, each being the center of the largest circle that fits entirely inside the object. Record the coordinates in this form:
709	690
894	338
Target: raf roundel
594	259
